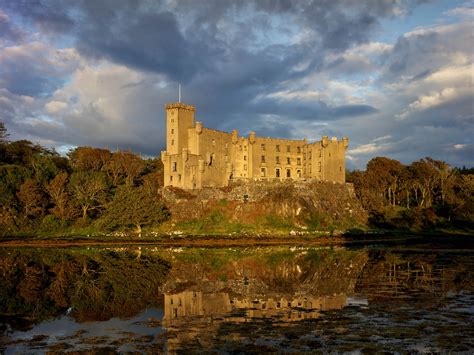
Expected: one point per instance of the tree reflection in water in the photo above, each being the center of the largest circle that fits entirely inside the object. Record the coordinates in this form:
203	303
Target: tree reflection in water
236	299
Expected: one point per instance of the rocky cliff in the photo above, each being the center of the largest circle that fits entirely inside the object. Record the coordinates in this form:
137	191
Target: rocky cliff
307	204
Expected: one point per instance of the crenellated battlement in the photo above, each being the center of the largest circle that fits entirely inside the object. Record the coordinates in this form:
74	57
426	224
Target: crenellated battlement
180	105
197	156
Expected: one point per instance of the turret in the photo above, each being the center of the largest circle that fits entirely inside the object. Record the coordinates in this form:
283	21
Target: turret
345	142
325	141
252	137
179	117
235	137
198	127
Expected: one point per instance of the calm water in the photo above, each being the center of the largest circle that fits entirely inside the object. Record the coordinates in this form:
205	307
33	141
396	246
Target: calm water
417	298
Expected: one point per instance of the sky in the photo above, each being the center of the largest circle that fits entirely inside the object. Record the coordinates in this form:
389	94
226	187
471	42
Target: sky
395	76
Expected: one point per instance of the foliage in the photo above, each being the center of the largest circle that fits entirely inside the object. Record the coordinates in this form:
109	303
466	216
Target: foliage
41	189
277	222
95	284
423	195
89	190
95	189
57	190
135	206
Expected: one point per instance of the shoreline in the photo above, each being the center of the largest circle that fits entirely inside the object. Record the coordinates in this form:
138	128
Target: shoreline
231	241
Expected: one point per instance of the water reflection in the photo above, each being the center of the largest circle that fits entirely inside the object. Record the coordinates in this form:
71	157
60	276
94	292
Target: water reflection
182	306
236	299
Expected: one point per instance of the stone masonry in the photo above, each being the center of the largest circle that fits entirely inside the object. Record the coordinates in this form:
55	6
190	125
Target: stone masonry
198	157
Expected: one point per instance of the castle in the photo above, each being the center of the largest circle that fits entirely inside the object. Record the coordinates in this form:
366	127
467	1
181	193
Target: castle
197	157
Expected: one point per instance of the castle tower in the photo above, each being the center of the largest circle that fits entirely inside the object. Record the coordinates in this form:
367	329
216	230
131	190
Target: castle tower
179	117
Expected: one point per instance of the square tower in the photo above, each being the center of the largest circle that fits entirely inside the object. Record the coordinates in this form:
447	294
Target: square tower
179	117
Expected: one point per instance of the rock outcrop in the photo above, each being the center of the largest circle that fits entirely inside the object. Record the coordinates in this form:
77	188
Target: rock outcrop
303	202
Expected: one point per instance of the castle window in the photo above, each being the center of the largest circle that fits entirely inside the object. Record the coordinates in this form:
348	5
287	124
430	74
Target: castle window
172	142
298	161
263	147
277	173
288	149
263	158
245	168
263	172
298	172
329	154
179	177
245	157
288	160
288	173
277	148
175	166
172	130
278	160
319	166
298	149
213	142
171	177
340	168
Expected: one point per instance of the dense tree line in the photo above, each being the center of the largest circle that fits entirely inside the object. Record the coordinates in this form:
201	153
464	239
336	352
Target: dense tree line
427	193
103	190
41	190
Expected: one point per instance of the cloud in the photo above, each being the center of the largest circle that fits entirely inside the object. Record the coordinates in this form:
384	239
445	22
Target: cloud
99	73
8	31
55	106
35	68
106	105
180	39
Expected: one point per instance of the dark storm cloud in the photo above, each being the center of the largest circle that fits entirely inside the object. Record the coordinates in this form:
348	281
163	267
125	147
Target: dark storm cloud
9	31
423	52
190	43
339	23
35	69
146	35
311	111
230	57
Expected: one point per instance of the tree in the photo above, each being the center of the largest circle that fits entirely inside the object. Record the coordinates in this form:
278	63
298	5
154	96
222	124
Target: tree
424	181
124	166
11	178
21	152
152	182
57	190
32	198
89	159
89	191
134	206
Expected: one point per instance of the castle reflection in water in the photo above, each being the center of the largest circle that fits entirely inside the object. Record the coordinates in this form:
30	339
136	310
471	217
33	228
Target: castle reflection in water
188	304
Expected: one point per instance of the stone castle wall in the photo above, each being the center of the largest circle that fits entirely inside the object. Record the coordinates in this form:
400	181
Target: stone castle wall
198	157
